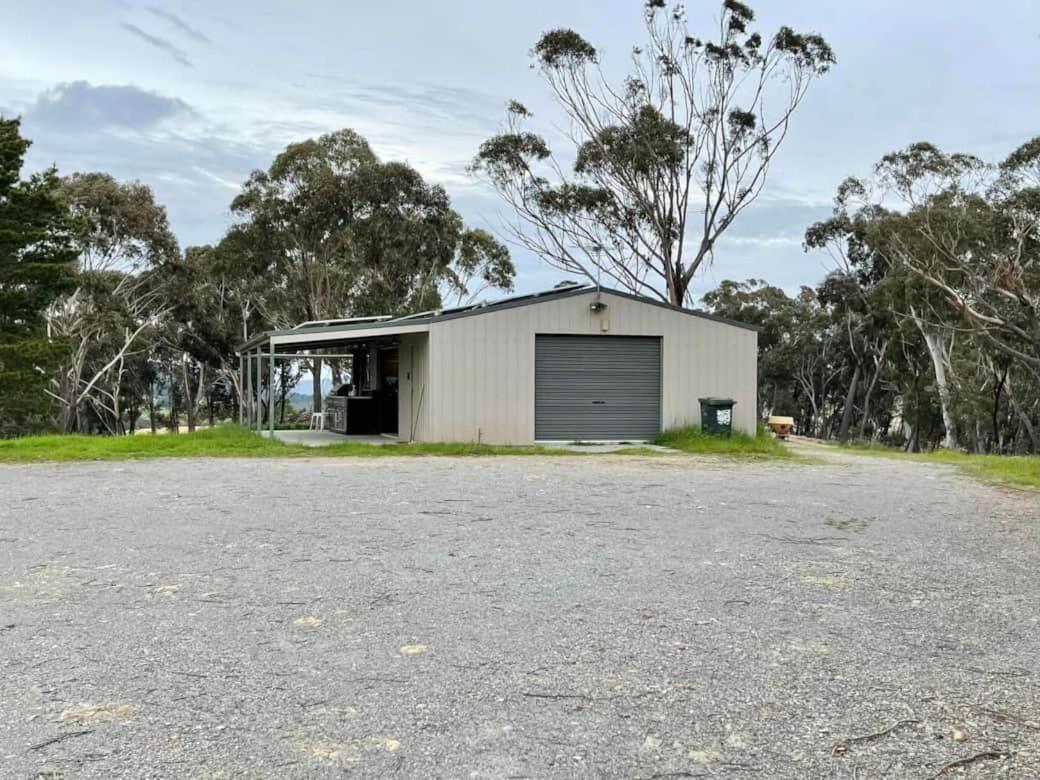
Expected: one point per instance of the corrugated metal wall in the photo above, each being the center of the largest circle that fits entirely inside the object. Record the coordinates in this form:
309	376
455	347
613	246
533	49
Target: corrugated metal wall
413	387
480	383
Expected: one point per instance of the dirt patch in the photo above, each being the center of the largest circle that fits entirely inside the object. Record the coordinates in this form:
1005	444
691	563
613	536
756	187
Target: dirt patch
350	751
855	524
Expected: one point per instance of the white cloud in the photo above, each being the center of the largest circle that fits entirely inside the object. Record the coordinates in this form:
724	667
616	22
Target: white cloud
231	185
762	242
422	87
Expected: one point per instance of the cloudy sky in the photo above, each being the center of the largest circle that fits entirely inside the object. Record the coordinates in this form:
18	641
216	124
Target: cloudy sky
189	96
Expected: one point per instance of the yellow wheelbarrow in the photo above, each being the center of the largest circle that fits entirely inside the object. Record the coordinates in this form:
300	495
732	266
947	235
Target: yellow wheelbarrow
781	426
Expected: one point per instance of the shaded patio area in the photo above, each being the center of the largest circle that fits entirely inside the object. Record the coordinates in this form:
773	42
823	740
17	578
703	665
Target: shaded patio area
376	396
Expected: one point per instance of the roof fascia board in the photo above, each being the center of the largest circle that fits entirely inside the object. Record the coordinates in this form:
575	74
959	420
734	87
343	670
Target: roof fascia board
422	324
284	338
327	333
556	296
680	310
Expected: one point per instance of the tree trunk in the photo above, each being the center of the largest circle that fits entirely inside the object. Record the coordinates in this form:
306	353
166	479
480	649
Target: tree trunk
117	414
767	405
913	439
997	391
174	424
814	418
980	438
936	342
200	391
316	388
151	408
870	391
283	377
189	396
850	399
1023	416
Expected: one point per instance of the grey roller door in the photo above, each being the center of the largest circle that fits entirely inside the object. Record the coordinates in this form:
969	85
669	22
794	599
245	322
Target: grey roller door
597	387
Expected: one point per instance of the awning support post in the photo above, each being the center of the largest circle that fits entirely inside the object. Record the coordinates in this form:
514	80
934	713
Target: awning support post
247	389
259	388
270	389
241	387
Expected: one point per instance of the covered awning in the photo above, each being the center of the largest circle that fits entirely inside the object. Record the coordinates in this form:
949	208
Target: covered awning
319	341
325	337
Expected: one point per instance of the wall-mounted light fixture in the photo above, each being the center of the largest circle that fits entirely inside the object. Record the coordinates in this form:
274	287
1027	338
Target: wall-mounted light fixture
597	306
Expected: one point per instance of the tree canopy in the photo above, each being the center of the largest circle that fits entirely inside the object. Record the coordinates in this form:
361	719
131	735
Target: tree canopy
336	232
662	165
928	329
36	258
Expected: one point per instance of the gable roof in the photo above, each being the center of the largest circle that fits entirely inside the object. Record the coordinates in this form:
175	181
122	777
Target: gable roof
422	320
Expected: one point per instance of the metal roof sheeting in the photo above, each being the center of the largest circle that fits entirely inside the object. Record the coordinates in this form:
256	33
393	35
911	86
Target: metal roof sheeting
405	323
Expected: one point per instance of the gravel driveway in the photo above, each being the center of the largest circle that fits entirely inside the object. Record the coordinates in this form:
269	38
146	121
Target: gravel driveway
516	617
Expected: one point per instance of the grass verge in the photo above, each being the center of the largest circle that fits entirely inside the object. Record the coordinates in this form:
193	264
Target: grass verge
224	441
1015	470
739	445
233	441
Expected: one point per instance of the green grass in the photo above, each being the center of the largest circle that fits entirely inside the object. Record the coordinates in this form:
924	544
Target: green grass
1016	470
740	445
224	441
234	441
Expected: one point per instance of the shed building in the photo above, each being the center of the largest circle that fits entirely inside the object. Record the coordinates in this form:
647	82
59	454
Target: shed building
574	363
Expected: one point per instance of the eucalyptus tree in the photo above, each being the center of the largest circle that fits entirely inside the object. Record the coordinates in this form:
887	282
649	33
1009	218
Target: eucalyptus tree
783	329
202	330
982	260
295	220
121	235
412	247
985	253
331	231
36	257
661	166
946	249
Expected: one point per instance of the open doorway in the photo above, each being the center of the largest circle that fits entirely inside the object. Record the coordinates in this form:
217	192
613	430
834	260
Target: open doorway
388	391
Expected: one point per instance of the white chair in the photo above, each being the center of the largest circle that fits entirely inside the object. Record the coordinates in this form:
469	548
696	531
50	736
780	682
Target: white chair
317	421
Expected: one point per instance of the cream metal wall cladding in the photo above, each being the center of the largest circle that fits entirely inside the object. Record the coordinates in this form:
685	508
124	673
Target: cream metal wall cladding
469	374
413	392
481	367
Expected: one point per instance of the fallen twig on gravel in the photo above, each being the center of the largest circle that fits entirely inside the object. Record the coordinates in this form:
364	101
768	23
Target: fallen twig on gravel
536	695
1009	673
987	756
842	747
822	540
61	738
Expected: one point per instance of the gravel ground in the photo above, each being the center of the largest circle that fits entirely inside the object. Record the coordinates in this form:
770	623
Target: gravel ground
516	617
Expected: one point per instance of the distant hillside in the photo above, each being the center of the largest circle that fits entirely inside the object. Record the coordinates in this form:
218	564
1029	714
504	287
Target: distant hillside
300	401
306	385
